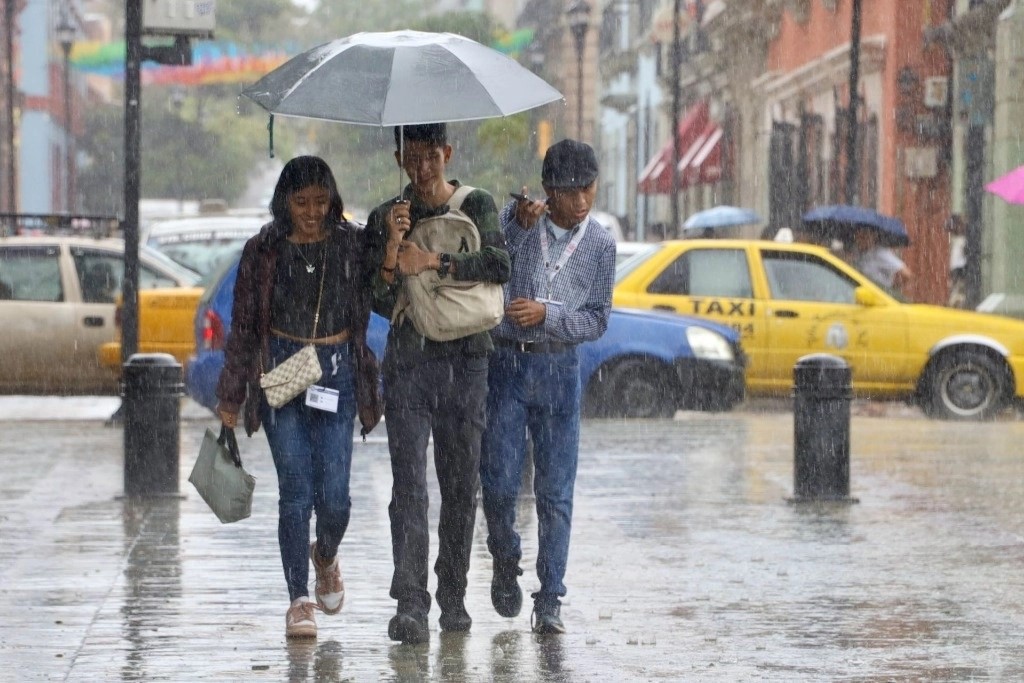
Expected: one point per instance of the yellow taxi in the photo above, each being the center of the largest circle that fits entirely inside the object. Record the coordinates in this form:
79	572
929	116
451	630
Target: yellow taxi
789	300
203	244
165	325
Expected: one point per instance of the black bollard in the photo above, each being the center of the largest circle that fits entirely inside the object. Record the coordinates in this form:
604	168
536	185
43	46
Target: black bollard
821	420
151	388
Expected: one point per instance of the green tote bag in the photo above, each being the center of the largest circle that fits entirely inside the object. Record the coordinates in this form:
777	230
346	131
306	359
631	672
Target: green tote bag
220	479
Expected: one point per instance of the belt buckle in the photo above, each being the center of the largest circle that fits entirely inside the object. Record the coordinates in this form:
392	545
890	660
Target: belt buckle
524	347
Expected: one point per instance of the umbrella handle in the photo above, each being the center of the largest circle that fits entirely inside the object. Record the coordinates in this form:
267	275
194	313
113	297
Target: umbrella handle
270	131
401	156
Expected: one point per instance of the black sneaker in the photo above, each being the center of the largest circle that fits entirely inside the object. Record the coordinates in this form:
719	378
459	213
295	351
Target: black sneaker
410	628
545	619
455	618
506	595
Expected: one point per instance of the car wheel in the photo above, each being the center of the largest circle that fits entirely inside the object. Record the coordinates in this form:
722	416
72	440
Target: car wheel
965	385
641	390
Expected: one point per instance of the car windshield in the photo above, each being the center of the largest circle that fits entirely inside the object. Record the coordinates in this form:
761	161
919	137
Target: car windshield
630	264
188	276
218	272
202	255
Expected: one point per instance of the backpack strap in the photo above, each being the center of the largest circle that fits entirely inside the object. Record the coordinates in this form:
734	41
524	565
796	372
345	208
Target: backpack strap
460	194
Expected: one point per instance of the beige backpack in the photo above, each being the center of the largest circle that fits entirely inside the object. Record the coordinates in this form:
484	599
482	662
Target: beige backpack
443	308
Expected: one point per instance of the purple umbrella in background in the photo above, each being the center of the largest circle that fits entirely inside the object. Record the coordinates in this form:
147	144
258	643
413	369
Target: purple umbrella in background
1010	187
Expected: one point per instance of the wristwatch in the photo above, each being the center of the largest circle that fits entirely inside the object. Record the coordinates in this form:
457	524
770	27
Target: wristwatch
445	265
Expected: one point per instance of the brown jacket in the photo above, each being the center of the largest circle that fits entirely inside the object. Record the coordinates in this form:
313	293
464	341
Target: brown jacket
247	350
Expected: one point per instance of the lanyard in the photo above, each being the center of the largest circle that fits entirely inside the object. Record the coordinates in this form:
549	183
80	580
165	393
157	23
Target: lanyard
551	271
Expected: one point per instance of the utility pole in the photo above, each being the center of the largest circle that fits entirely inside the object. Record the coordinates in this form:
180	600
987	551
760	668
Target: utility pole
180	54
676	112
852	160
132	163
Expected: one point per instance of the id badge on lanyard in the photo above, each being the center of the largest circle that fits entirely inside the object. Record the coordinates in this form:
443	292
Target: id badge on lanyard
551	271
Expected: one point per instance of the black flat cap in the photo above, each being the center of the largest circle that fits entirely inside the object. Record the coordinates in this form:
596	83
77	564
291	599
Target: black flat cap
569	163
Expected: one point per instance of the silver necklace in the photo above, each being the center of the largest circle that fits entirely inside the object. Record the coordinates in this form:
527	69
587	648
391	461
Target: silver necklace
310	266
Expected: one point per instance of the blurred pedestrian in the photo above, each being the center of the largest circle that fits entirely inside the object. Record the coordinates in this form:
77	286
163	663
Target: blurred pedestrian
431	387
300	282
560	296
879	262
957	229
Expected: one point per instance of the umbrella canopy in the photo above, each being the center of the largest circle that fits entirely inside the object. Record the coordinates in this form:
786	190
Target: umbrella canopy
720	217
400	78
838	221
1010	186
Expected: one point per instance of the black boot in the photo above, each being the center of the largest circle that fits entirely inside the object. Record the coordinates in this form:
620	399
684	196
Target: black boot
409	627
506	595
454	616
546	618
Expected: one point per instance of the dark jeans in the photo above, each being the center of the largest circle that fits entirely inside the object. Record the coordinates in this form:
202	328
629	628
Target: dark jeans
539	393
312	452
444	396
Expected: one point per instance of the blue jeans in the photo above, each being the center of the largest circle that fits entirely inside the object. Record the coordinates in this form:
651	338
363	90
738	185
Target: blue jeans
312	452
539	392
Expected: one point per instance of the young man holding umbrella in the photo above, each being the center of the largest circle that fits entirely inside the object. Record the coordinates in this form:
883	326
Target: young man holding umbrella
431	386
560	296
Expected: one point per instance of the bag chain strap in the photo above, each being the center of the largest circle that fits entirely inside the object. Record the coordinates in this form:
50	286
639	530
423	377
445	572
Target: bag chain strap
320	295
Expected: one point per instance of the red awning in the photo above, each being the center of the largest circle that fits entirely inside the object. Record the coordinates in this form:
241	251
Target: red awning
656	178
702	163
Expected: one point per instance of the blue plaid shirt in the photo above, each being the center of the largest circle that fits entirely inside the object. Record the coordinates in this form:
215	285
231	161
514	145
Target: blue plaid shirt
582	288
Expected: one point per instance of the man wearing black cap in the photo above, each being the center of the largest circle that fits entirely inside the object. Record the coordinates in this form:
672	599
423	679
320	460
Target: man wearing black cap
559	295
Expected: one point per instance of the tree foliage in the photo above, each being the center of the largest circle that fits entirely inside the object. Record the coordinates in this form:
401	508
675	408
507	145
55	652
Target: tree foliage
198	150
339	18
256	21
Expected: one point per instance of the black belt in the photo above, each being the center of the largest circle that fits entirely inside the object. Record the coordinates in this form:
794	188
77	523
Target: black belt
533	347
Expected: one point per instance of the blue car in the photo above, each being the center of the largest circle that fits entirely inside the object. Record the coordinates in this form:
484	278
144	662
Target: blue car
646	365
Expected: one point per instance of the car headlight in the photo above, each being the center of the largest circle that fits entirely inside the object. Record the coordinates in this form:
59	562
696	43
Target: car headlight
708	345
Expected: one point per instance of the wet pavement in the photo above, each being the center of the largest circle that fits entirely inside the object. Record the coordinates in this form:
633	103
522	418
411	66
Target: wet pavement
687	563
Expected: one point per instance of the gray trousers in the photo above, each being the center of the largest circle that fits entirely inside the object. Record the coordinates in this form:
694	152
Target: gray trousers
445	396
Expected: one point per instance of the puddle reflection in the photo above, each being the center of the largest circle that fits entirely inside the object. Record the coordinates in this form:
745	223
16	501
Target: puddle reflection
152	577
505	656
552	658
410	662
451	656
309	660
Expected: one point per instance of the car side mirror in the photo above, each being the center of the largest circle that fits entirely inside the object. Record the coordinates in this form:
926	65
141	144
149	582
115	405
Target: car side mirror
867	297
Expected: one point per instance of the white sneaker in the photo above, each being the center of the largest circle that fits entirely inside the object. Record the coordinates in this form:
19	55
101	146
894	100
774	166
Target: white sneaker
299	620
330	589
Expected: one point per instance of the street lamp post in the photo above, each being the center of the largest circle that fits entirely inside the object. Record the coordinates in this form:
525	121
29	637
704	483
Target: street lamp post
579	21
10	166
66	36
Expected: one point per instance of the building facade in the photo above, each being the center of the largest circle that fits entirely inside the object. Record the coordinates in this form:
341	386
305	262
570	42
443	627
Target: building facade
46	115
765	116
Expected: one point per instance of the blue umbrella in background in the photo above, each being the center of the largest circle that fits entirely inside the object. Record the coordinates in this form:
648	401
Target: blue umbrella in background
839	220
718	217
